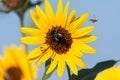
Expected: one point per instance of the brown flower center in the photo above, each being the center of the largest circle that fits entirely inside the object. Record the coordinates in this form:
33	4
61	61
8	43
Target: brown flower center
13	73
59	39
14	4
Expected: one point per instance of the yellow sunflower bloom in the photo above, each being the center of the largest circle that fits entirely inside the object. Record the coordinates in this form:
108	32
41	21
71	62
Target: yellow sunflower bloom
60	37
109	74
14	66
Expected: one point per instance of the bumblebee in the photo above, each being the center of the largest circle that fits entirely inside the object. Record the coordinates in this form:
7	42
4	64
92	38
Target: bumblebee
56	36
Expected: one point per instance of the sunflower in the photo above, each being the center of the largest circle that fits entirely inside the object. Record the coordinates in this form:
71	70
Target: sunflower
109	74
14	66
60	37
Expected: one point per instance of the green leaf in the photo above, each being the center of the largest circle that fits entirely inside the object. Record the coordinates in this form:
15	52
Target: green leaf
90	74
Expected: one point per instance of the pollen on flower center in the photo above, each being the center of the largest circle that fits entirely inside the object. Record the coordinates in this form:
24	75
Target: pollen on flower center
59	39
13	73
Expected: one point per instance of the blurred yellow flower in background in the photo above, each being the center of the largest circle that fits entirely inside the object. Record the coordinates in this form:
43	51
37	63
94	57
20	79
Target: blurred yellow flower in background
109	74
14	65
61	38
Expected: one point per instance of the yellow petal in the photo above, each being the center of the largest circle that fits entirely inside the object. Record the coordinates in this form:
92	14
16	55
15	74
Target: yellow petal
35	18
1	72
34	54
71	17
41	14
39	22
83	47
44	22
39	64
61	65
71	65
43	47
59	13
43	26
49	11
8	59
33	40
75	50
22	48
64	16
77	23
31	31
46	55
82	31
86	39
52	65
78	61
87	49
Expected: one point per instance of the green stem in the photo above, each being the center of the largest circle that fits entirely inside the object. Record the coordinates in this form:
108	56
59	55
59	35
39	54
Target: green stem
47	65
21	16
69	75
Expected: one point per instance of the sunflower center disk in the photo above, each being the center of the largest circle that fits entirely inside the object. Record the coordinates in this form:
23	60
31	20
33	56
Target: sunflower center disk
13	73
59	40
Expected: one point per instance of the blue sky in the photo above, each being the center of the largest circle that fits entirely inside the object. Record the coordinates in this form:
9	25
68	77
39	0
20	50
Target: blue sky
107	29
